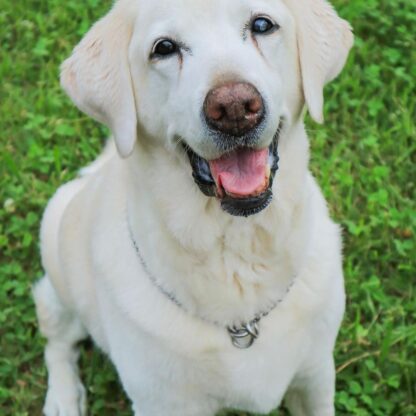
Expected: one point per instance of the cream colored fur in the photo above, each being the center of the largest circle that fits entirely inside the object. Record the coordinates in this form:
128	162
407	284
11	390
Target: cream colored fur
173	361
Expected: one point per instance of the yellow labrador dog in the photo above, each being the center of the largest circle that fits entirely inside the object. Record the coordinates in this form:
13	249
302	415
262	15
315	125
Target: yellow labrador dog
197	251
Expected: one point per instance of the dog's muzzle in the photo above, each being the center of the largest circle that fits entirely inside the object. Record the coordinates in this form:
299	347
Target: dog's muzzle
241	179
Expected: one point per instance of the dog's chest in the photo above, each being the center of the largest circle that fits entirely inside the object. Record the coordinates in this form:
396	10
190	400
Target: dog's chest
244	274
257	378
198	362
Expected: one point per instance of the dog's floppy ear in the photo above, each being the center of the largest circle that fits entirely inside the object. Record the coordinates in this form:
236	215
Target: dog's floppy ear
97	77
324	40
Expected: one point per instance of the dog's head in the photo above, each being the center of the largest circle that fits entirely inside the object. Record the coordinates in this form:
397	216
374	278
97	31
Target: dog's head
220	78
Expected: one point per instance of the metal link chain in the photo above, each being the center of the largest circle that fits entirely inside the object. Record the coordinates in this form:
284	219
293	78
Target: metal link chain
242	336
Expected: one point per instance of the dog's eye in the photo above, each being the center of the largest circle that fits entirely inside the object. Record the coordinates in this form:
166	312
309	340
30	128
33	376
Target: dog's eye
263	25
164	48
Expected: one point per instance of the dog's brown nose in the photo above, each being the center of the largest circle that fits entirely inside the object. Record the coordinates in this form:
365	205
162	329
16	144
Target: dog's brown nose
234	108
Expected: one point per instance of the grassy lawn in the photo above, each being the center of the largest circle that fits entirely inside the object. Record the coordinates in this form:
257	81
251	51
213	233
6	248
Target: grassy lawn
364	158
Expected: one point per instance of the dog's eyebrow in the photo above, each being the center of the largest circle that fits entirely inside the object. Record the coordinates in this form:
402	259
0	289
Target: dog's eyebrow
246	27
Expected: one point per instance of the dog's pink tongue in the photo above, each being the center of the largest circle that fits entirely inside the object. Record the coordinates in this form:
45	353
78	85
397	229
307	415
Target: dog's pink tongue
242	173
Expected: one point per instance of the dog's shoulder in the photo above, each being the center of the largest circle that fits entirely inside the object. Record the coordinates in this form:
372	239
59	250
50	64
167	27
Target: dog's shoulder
69	215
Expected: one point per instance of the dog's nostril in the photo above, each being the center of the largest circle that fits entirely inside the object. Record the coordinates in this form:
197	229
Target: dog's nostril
217	112
234	108
254	106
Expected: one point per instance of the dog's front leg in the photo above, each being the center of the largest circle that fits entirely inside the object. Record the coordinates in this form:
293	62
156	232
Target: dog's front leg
66	395
312	393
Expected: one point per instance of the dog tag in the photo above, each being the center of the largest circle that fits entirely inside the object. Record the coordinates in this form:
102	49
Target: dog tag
243	337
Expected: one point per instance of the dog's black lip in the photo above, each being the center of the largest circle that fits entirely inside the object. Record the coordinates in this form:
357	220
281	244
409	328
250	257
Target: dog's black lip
244	207
201	172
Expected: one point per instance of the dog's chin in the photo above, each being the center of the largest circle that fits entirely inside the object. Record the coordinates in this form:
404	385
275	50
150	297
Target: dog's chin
241	204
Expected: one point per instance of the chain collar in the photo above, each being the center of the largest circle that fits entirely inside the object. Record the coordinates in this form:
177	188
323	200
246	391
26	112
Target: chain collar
242	336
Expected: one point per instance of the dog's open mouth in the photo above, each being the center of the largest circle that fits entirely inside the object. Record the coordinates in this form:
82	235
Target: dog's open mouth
241	179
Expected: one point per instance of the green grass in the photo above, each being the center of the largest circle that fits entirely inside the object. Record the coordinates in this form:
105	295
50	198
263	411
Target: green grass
363	157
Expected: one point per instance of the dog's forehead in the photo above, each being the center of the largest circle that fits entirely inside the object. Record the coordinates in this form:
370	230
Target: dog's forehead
180	13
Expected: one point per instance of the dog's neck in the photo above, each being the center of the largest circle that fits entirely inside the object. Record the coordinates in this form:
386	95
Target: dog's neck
222	268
